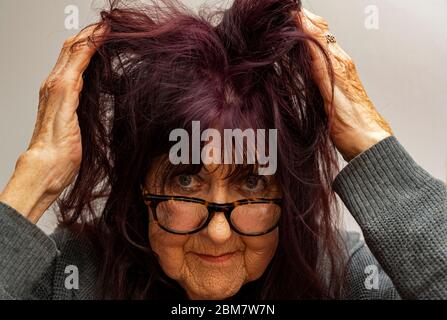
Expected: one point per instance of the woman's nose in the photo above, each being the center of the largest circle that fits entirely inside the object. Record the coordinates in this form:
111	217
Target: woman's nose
219	231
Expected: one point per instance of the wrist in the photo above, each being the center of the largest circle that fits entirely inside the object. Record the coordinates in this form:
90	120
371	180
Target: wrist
26	191
355	143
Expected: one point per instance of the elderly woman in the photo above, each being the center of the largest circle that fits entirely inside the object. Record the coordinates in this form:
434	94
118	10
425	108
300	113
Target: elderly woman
201	228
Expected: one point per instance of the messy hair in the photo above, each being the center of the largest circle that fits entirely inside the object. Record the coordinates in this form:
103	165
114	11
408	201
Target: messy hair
159	66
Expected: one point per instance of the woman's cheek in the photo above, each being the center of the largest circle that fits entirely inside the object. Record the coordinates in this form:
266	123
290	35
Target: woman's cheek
259	252
169	249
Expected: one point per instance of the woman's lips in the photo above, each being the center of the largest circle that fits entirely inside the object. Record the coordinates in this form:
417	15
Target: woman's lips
216	259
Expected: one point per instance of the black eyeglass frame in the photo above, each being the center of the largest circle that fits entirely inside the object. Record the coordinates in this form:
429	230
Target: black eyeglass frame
153	200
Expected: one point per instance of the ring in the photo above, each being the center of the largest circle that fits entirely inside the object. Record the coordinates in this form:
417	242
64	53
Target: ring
330	38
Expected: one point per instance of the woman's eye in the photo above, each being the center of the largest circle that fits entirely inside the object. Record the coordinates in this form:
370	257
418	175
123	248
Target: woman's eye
185	180
255	183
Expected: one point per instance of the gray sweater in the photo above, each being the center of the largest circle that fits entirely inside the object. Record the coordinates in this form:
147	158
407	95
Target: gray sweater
401	209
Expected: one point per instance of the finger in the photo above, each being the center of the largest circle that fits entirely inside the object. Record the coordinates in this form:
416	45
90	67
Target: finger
319	66
310	14
76	53
318	21
318	30
333	48
317	33
66	78
82	49
63	57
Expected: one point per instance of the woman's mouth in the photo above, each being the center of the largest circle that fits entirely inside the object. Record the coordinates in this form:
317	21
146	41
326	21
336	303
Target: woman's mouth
216	259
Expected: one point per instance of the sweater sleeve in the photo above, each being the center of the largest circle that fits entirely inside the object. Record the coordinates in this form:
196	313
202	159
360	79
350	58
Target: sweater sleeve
27	257
402	211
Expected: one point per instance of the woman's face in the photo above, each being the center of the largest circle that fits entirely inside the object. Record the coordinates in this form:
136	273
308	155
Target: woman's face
215	262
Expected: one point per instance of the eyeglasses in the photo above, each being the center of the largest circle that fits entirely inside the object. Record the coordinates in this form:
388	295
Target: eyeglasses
186	215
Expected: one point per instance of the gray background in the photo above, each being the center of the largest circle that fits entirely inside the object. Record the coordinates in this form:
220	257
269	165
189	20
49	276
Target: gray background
402	65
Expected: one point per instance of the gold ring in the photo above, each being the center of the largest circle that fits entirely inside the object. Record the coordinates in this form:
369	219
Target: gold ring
330	38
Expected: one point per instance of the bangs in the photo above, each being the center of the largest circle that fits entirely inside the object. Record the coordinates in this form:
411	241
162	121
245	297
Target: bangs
218	134
165	170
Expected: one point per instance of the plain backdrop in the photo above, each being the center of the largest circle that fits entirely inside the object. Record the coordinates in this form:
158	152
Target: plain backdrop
402	64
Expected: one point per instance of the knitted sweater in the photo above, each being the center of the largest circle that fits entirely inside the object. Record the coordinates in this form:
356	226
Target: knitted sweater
401	209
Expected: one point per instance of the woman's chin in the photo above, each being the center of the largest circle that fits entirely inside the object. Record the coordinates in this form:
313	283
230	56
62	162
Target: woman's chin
212	293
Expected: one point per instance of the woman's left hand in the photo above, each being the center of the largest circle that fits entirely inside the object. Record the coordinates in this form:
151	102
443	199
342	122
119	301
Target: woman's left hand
356	124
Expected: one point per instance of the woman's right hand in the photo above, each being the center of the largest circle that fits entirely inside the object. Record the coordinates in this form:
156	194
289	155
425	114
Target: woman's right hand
54	154
356	123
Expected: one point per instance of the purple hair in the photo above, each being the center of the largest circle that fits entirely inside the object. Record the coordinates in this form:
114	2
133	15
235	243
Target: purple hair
159	67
